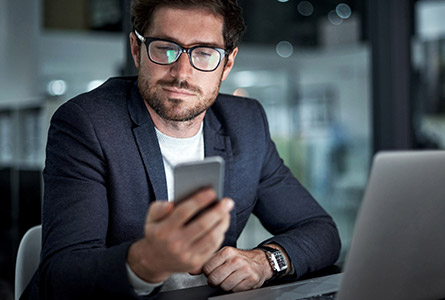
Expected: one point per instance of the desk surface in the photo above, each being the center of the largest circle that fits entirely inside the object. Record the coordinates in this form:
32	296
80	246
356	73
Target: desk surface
204	292
195	293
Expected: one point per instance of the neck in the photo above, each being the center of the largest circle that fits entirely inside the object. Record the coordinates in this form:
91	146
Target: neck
176	129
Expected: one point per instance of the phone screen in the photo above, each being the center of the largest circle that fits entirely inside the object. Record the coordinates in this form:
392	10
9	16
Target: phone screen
190	177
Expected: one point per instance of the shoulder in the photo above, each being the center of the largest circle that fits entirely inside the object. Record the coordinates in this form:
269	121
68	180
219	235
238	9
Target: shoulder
238	117
238	108
230	101
108	99
239	111
114	89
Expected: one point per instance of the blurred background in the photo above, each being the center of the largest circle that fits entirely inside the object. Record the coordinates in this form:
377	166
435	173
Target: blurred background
339	79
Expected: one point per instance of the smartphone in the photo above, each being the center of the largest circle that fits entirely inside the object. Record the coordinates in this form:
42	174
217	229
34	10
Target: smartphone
190	177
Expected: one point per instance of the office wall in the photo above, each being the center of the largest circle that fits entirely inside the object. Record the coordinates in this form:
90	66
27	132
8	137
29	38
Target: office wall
80	58
19	31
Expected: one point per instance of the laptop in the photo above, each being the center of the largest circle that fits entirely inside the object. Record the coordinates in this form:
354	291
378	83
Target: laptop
398	246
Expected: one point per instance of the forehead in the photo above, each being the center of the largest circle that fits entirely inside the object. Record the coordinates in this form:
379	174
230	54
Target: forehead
187	26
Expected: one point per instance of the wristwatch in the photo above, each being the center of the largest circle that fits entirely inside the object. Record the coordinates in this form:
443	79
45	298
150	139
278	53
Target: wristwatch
276	260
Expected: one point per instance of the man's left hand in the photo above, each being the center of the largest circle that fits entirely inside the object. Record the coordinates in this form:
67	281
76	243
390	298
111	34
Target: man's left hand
237	270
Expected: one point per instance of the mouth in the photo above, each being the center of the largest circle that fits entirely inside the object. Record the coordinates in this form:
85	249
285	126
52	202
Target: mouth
178	93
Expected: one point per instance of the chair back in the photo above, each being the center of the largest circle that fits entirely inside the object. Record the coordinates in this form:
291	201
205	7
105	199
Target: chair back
28	258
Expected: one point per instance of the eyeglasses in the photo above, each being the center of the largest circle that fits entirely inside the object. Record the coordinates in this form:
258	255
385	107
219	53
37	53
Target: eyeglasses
165	52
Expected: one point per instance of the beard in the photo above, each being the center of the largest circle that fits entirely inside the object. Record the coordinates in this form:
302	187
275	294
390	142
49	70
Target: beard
171	109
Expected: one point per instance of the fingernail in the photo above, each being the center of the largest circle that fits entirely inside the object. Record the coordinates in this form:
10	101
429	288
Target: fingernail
229	204
210	193
162	203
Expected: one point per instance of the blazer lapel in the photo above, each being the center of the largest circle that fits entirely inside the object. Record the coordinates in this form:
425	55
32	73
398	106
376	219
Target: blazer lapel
148	144
218	144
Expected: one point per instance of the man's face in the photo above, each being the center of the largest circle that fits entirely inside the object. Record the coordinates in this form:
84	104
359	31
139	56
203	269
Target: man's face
179	92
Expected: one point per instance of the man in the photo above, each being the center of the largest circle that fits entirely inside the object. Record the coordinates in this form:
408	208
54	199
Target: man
110	155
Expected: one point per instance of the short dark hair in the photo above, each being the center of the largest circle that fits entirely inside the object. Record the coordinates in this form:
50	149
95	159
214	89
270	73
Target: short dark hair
233	28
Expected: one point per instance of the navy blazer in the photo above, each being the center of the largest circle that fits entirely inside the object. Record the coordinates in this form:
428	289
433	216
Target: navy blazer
104	167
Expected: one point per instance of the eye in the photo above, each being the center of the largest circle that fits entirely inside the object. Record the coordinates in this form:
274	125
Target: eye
205	53
162	46
165	48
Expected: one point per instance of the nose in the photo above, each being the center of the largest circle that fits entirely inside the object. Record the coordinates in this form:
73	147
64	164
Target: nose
182	68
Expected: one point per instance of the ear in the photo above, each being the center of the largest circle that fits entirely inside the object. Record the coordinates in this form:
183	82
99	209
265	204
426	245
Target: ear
229	65
135	49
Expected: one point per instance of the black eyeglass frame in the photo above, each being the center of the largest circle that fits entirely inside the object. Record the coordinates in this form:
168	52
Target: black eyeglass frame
148	40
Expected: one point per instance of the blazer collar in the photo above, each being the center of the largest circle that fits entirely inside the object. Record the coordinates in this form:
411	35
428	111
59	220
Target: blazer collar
215	140
218	143
136	107
147	141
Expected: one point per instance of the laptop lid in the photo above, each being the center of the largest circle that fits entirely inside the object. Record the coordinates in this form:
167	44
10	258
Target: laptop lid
398	245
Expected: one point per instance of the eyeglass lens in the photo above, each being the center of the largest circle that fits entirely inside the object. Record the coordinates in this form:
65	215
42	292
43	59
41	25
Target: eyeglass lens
203	58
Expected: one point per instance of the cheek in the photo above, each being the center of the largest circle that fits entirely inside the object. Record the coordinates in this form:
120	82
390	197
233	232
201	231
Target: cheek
152	70
210	82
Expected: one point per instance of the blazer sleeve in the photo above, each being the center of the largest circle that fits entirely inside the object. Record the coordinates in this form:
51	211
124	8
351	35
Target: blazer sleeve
76	262
287	210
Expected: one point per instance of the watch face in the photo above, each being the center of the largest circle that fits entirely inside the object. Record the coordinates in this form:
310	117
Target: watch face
279	261
276	259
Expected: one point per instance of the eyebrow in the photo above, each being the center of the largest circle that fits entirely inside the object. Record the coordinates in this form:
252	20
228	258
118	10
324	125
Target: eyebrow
193	44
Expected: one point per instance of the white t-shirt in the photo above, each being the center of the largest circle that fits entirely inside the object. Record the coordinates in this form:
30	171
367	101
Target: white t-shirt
179	150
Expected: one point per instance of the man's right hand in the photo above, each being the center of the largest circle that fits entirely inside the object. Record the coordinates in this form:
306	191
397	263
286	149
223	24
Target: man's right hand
172	244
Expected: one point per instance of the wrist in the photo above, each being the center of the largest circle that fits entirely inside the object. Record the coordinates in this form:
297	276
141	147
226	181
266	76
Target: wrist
264	262
140	286
277	260
141	266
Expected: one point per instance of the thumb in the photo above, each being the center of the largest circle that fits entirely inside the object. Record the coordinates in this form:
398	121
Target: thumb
159	210
196	271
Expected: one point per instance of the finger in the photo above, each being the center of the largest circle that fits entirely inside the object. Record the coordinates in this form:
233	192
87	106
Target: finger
209	220
242	279
211	242
196	271
218	259
235	280
188	208
251	281
245	285
159	210
221	274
